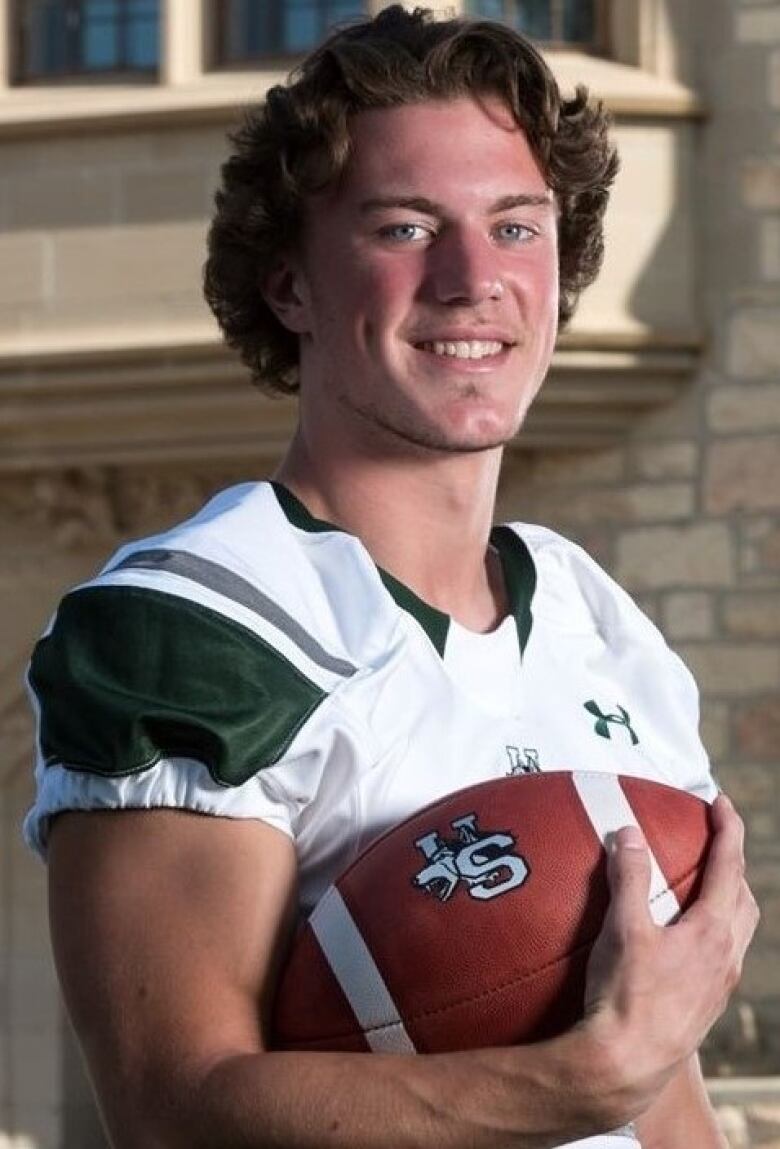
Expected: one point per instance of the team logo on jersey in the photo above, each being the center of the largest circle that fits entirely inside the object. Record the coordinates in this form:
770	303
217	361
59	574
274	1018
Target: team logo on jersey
484	862
525	761
604	721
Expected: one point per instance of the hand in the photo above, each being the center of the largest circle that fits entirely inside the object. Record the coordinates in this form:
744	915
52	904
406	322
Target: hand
653	992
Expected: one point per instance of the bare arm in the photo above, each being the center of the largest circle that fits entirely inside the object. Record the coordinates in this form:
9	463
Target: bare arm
682	1115
167	929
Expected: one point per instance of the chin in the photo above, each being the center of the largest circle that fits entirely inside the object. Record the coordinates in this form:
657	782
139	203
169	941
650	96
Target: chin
458	441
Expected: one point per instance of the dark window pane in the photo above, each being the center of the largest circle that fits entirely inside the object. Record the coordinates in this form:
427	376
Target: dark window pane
488	9
533	17
251	29
87	37
553	21
143	34
579	22
46	38
301	26
99	36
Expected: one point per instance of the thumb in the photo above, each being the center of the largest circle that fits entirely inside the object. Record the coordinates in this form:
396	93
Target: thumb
628	873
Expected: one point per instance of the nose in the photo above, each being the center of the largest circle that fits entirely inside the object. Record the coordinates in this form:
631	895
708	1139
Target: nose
463	268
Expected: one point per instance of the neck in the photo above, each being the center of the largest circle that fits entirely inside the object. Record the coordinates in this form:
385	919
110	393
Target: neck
424	517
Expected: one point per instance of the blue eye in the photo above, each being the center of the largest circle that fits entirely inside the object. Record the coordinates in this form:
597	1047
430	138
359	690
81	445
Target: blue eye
405	232
518	232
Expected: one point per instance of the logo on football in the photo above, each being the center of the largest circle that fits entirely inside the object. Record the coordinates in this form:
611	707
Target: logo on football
481	861
414	948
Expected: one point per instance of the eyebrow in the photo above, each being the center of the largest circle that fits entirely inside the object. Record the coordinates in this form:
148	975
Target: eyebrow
430	207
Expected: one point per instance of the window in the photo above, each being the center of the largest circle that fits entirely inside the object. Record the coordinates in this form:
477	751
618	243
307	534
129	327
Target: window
70	39
561	22
248	30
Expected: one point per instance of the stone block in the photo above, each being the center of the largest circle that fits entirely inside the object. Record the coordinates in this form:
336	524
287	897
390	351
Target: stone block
39	1127
731	670
761	825
649	605
750	787
153	195
744	407
743	474
651	558
94	150
715	731
23	260
760	977
754	343
131	262
761	185
63	199
755	615
30	926
763	875
570	508
769	551
769	253
770	920
659	502
680	417
577	466
582	506
758	25
36	1059
14	319
774	79
757	730
183	143
764	1125
733	1124
666	460
688	614
760	547
35	1008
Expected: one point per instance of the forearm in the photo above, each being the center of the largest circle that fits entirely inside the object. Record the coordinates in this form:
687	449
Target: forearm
682	1115
528	1098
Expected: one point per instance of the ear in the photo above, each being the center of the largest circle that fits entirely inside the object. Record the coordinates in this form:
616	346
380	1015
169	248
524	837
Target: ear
285	290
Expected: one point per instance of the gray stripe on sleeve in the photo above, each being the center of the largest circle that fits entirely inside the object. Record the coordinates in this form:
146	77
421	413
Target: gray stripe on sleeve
225	582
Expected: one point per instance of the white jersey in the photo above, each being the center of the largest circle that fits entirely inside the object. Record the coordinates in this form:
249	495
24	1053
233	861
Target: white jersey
254	662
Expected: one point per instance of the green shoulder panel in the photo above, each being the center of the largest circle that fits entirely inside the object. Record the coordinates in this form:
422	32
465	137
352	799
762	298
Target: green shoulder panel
129	675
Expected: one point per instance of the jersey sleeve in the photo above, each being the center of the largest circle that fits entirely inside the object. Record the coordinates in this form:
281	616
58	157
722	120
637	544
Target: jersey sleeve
652	679
668	690
145	698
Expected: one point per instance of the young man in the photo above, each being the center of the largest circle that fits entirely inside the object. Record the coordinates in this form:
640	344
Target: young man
265	688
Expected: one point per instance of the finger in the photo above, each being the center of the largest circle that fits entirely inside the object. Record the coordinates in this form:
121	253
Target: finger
725	865
746	920
724	813
628	871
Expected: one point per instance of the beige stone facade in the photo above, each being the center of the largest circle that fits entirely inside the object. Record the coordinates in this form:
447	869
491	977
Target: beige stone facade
656	441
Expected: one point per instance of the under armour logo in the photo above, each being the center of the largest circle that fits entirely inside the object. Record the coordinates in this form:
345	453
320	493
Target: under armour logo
603	721
483	862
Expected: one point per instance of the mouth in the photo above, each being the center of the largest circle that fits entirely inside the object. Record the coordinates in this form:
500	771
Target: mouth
465	348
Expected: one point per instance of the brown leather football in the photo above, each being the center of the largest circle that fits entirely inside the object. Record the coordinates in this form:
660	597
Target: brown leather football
470	923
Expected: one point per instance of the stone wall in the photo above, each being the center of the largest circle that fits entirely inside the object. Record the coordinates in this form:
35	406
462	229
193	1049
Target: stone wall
685	512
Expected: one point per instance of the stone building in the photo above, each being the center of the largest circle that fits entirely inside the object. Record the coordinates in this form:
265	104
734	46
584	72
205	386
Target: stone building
655	441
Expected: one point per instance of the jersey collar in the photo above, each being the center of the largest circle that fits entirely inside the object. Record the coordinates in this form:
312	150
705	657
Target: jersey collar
516	562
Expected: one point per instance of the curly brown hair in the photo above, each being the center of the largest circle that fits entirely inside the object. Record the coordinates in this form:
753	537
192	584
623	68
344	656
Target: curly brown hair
297	143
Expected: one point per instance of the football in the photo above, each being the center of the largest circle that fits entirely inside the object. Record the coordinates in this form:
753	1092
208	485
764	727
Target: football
470	923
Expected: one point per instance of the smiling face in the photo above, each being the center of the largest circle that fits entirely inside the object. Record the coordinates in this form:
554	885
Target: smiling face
426	291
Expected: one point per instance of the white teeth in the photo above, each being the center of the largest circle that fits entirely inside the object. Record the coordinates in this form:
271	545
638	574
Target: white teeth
463	349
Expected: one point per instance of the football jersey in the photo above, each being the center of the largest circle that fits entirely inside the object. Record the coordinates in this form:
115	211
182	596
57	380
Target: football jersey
254	662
